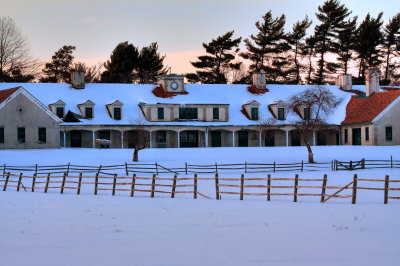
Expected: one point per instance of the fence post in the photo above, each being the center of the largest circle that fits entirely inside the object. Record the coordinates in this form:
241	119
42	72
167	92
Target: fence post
216	168
19	181
33	182
153	185
351	165
157	168
186	167
386	191
114	184
296	183
195	186
323	188
363	163
391	162
126	169
78	191
6	182
98	172
173	187
245	167
96	183
35	169
274	166
63	183
69	164
241	186
269	187
47	183
354	194
133	184
216	187
302	165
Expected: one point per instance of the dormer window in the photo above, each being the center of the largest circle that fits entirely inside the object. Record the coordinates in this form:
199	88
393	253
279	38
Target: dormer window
88	112
187	113
58	108
117	113
215	113
254	113
306	113
160	113
60	111
281	113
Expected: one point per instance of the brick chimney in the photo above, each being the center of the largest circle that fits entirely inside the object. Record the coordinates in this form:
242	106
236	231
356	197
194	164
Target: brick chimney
78	79
259	80
344	81
371	80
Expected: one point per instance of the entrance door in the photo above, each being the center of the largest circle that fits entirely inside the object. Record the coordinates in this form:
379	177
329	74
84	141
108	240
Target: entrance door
215	138
189	139
269	138
161	139
76	139
243	138
295	138
356	136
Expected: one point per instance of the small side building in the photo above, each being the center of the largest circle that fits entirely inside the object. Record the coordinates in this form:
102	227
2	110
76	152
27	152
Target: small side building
25	122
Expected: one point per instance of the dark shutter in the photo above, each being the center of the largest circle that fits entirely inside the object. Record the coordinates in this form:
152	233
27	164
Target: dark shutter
215	113
367	134
1	134
160	111
346	136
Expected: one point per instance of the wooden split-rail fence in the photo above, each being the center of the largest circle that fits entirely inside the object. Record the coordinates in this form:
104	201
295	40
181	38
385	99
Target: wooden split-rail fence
242	187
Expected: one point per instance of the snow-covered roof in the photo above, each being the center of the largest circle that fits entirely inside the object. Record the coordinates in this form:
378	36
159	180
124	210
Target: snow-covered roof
130	95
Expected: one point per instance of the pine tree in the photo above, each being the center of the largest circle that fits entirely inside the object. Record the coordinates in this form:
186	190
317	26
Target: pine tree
150	64
58	70
309	52
368	41
391	42
296	40
332	16
123	61
344	46
264	48
221	53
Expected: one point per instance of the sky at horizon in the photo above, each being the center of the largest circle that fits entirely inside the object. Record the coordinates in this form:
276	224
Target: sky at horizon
180	27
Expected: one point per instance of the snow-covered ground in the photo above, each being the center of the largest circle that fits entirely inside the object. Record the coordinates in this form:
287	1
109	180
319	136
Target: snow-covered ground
55	229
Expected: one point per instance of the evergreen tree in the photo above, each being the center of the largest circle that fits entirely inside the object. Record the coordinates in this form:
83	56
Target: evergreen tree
58	70
296	40
332	16
16	75
369	38
309	51
150	64
264	49
344	47
391	42
123	61
219	60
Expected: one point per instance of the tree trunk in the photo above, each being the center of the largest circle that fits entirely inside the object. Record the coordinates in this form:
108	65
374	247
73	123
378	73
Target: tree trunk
136	155
310	154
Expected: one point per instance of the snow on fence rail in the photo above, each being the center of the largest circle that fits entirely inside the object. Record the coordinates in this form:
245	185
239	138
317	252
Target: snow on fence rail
254	186
246	167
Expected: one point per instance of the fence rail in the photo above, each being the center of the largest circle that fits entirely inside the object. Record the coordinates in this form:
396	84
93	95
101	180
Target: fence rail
244	186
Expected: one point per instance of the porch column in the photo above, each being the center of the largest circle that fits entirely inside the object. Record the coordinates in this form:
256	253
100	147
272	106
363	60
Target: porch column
122	139
206	135
94	145
65	139
233	138
287	137
179	139
260	138
313	138
151	140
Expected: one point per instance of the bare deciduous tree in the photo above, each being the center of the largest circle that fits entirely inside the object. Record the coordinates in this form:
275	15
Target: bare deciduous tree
140	137
14	51
312	106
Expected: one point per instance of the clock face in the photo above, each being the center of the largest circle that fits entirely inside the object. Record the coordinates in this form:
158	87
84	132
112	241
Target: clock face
174	85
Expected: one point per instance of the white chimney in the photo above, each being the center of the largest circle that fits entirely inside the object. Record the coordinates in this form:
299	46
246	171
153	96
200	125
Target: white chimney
344	81
259	80
371	81
78	79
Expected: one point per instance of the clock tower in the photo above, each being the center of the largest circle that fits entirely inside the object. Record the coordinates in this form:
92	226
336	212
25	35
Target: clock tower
172	83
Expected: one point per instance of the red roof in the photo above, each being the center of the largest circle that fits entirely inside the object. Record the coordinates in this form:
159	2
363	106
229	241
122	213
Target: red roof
365	109
4	94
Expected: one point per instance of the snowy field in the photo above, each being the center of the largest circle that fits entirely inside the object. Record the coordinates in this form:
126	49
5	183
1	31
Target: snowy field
55	229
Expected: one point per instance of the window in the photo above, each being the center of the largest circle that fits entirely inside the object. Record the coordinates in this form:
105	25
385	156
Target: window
389	134
88	112
161	139
254	113
215	113
42	135
160	112
1	134
346	136
306	112
367	134
281	113
105	134
21	135
60	112
117	113
187	113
